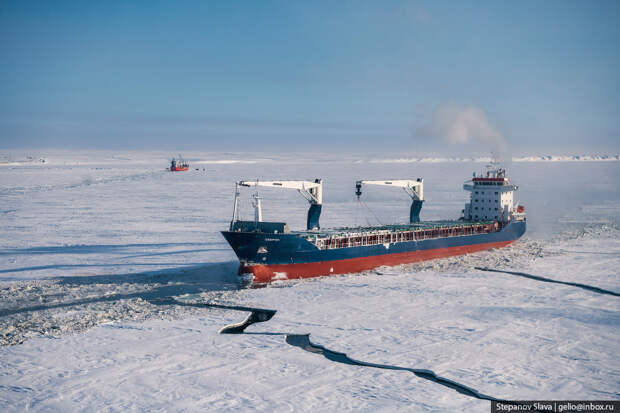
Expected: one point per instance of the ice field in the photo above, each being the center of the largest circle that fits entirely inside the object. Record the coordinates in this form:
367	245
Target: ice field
92	240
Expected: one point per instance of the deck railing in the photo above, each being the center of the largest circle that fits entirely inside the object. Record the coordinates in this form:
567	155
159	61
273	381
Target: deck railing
390	237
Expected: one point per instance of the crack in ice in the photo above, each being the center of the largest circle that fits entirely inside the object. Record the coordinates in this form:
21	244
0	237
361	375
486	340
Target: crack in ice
549	280
303	341
257	315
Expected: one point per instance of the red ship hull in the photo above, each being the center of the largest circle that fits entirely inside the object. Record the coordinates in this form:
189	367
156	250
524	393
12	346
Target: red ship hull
176	169
267	273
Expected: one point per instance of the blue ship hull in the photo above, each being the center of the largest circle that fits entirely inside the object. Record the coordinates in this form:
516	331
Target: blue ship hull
270	254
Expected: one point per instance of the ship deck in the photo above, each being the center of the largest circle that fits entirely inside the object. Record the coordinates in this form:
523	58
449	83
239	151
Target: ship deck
388	228
387	234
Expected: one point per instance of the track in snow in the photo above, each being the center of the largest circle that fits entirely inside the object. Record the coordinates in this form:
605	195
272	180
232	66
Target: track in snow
549	280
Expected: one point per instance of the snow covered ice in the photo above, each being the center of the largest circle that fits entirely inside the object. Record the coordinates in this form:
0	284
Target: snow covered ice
90	240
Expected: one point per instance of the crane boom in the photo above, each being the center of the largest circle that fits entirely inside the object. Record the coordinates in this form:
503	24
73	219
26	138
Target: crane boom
311	190
413	188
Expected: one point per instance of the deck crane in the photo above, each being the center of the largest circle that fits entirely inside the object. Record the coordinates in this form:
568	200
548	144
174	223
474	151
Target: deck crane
413	188
311	190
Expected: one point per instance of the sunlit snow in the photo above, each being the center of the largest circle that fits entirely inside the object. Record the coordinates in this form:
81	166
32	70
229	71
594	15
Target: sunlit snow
91	240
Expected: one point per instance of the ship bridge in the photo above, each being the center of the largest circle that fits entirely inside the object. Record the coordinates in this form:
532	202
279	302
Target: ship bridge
492	197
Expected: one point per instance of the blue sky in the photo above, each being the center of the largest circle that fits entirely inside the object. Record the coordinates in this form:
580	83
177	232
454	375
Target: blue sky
285	75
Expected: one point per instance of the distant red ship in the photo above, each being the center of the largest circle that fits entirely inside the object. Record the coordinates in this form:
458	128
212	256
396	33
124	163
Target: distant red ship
178	165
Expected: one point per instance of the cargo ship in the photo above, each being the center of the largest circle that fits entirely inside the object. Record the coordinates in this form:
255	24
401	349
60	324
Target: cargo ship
177	165
270	251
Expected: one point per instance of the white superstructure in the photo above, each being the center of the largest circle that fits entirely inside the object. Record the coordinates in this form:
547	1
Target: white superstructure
492	197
